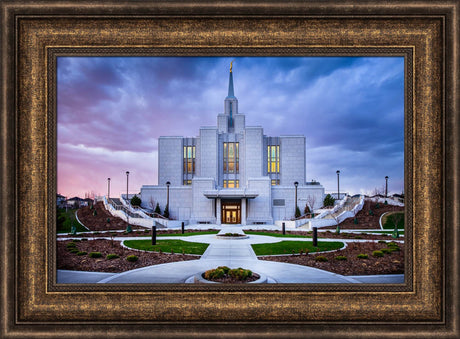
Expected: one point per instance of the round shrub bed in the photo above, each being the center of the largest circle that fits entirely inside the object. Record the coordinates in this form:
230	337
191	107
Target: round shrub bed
224	274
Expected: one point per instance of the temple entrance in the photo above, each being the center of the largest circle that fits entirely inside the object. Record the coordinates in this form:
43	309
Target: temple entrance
231	212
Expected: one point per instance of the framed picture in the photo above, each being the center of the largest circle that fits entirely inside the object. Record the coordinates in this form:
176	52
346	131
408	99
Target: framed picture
33	40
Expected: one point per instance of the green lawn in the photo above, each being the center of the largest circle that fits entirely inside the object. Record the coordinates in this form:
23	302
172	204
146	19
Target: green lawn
385	232
287	247
177	246
388	220
65	219
290	235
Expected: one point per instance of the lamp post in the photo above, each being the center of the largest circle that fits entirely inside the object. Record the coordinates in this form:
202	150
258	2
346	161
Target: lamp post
167	194
108	189
295	184
338	186
386	186
127	211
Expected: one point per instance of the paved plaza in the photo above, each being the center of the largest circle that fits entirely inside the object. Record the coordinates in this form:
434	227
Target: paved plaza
229	252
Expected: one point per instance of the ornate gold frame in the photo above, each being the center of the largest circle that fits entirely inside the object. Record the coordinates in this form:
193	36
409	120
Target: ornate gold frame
426	34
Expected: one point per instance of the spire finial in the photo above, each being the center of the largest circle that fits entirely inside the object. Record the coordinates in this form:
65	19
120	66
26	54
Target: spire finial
231	65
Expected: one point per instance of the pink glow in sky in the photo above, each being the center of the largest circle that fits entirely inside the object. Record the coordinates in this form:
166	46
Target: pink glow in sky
112	110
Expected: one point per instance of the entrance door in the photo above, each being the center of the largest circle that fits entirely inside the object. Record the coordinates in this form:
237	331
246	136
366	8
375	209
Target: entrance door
231	212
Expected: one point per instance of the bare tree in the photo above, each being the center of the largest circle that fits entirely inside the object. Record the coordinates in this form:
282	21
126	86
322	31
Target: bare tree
311	200
378	191
152	203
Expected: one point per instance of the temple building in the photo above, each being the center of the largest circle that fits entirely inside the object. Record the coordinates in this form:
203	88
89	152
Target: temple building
232	173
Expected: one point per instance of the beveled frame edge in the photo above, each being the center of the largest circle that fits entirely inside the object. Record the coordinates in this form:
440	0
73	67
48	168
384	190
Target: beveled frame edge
450	193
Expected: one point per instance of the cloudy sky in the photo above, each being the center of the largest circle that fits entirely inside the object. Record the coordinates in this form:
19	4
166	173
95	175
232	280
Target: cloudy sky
111	112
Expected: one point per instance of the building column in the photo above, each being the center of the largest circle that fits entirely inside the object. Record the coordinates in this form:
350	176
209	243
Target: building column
218	212
243	211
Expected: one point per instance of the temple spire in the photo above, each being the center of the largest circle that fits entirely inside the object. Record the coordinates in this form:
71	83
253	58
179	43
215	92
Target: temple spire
230	83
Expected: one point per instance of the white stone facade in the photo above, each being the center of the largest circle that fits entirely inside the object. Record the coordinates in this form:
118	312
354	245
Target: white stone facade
222	176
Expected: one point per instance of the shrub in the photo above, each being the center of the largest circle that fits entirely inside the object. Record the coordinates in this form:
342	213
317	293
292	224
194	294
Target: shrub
112	256
71	244
321	258
337	230
84	239
394	248
132	258
358	237
378	254
382	242
166	212
94	212
136	201
214	273
362	256
355	221
386	250
157	209
240	273
306	209
74	250
95	255
328	200
76	240
340	257
297	212
81	253
371	212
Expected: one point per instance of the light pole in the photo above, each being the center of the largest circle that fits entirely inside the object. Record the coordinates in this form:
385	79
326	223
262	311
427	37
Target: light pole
167	194
127	211
386	186
108	189
295	184
338	186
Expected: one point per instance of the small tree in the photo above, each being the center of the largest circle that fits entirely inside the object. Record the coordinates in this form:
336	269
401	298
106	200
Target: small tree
328	200
166	212
151	203
157	209
306	209
311	200
136	201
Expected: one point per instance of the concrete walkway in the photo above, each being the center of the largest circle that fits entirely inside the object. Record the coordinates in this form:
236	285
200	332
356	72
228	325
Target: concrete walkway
229	252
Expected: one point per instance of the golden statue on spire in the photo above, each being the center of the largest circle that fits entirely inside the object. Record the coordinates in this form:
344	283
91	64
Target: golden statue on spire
231	65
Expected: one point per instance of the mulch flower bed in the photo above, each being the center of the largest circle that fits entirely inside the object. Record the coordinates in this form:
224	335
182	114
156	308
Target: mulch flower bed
391	263
134	233
231	280
71	261
333	235
99	222
366	221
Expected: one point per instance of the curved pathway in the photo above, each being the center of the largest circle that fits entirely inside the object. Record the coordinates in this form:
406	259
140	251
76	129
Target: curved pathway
233	253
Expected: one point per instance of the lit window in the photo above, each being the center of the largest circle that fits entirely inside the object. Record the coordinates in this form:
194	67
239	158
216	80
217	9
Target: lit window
231	183
275	182
231	157
189	163
273	159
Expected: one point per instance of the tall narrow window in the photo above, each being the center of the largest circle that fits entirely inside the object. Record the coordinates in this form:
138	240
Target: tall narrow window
273	159
231	157
189	163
